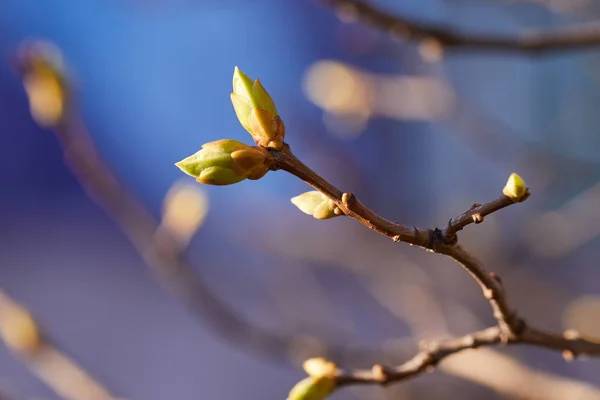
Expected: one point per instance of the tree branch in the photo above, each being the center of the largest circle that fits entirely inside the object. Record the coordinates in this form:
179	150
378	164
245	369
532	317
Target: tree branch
426	359
432	353
429	239
475	214
511	329
406	28
349	204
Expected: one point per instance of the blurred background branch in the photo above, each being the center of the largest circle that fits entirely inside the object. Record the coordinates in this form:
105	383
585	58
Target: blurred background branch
574	38
22	335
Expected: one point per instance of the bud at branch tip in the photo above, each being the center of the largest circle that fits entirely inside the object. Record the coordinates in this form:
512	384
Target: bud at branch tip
256	111
515	188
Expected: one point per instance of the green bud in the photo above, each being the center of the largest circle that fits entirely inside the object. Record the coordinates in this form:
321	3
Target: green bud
515	188
316	204
256	111
226	161
319	366
312	388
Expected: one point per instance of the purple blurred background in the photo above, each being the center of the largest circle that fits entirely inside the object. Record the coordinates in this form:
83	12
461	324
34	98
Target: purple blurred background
153	80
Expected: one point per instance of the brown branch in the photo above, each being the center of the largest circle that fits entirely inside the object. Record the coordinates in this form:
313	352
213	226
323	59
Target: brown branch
426	238
535	43
432	353
475	214
426	359
511	329
490	284
349	204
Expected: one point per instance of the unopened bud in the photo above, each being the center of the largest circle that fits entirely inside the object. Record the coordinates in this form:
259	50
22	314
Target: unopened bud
316	204
256	111
515	188
226	161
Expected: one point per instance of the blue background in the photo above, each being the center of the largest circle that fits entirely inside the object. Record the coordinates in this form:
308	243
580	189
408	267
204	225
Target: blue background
153	80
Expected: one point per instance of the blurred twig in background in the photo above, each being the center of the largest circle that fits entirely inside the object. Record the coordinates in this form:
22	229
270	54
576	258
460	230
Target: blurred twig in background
23	337
162	246
428	34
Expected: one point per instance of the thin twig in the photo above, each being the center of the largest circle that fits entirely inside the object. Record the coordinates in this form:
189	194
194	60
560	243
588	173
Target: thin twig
475	214
349	204
396	25
430	239
432	353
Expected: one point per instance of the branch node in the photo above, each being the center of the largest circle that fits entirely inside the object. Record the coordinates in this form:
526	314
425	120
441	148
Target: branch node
518	325
497	278
380	373
397	239
435	236
477	218
348	199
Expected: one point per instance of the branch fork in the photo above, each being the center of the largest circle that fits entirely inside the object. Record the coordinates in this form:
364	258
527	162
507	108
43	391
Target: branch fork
510	328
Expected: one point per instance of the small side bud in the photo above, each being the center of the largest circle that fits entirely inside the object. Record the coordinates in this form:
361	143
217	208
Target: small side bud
226	161
317	367
256	111
515	188
312	388
316	204
379	373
